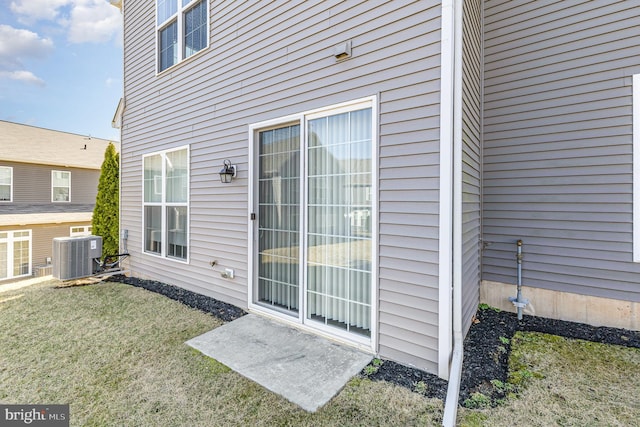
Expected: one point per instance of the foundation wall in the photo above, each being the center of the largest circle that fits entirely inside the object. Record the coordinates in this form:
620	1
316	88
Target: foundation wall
595	311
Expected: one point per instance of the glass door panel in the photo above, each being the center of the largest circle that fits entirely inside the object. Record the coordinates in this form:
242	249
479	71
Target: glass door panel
279	218
21	255
4	254
339	188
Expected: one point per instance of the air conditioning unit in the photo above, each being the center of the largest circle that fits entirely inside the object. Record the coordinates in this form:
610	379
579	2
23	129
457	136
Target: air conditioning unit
73	256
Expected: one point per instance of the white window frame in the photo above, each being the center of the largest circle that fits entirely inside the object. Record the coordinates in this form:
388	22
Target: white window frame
86	230
179	18
10	184
364	343
10	240
636	166
163	204
52	186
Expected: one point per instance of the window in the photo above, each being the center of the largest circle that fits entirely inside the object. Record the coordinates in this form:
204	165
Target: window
314	195
80	230
15	254
165	203
182	28
60	186
6	184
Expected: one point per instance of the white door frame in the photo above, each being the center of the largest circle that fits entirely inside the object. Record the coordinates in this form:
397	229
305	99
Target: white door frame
300	321
10	240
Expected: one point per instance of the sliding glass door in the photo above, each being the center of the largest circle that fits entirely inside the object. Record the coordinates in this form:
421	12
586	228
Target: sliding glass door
339	221
278	218
15	254
315	211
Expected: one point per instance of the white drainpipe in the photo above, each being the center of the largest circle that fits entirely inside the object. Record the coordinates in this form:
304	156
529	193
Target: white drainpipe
452	23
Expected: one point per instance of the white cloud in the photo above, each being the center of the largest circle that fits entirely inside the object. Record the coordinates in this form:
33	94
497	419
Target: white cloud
22	76
93	21
17	45
86	21
110	81
34	10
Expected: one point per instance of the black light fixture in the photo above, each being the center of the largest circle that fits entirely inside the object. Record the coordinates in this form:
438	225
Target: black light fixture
227	172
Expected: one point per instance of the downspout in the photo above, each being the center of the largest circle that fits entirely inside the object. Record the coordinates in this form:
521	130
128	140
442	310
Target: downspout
123	234
452	10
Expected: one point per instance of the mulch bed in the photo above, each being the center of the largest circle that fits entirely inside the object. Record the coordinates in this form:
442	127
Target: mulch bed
486	346
219	309
486	355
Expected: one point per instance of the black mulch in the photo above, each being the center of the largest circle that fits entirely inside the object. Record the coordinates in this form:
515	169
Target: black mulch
486	346
486	352
221	310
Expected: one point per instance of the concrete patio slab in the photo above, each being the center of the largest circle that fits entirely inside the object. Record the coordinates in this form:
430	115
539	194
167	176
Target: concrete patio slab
306	369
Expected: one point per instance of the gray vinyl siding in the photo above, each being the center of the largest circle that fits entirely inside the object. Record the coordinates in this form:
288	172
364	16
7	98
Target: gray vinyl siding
32	183
471	158
558	144
268	60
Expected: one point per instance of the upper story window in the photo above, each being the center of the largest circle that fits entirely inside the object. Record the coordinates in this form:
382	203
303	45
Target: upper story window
182	29
6	184
60	186
165	203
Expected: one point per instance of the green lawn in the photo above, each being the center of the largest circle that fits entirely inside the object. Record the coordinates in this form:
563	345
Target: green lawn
116	354
566	382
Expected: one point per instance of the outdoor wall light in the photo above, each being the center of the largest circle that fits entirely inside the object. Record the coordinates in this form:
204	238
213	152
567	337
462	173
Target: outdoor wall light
227	172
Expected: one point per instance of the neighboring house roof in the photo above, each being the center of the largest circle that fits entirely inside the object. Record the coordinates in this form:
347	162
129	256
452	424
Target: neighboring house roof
30	144
25	214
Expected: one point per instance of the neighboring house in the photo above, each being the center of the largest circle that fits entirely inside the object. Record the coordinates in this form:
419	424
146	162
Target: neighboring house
48	186
388	157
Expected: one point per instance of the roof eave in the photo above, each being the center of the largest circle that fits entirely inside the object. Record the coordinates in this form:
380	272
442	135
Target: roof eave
117	117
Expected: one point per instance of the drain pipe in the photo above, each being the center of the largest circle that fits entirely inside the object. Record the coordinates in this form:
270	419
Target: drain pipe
452	45
519	302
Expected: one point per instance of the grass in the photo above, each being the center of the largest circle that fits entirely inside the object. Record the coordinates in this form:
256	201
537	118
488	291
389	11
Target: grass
116	354
565	382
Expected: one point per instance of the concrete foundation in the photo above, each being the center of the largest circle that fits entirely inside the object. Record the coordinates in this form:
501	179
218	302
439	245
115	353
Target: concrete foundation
593	311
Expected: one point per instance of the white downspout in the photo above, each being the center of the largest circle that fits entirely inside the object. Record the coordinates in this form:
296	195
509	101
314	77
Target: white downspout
452	12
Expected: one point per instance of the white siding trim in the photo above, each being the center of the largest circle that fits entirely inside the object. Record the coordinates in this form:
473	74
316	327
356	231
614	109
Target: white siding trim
636	167
445	242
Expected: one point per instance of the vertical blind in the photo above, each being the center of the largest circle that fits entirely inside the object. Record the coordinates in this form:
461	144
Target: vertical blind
339	226
279	206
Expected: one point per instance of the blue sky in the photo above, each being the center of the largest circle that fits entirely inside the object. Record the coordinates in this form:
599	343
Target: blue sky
61	64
